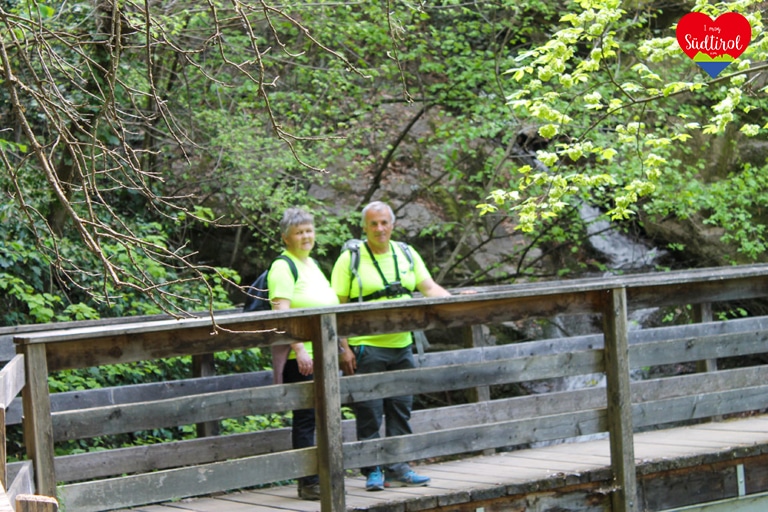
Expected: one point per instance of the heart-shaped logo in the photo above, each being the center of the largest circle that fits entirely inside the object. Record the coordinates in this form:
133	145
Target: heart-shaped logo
713	44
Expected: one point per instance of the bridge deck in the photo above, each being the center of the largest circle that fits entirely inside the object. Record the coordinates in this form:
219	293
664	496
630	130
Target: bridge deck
516	473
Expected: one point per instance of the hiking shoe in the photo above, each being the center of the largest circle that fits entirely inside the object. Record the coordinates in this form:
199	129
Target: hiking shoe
309	492
410	479
375	481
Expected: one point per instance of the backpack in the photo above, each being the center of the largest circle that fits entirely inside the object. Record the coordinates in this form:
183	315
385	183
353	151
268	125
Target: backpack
257	295
353	246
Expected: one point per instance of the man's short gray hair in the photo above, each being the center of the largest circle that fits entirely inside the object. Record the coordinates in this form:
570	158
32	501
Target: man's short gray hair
295	217
378	205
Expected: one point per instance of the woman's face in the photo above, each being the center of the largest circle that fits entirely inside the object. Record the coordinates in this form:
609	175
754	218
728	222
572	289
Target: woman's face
300	239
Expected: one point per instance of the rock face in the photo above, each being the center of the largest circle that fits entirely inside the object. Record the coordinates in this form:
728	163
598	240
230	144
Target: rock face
435	204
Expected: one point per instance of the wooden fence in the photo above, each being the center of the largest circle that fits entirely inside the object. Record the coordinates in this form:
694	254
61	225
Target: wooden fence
132	476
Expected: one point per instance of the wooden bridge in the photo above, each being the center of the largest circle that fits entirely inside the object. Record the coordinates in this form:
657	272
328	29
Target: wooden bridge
722	453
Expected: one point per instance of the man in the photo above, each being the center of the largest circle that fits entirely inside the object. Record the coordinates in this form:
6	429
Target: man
385	273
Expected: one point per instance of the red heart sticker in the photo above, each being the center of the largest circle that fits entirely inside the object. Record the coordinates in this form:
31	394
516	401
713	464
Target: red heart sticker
713	44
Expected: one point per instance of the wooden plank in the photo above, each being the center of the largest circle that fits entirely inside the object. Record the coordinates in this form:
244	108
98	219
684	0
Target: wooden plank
696	292
703	313
204	365
185	410
139	459
474	337
758	503
705	405
504	409
624	499
700	347
282	497
456	311
170	507
694	384
11	380
38	429
427	380
217	505
83	399
189	481
463	474
22	480
756	425
33	503
467	440
229	501
566	461
328	420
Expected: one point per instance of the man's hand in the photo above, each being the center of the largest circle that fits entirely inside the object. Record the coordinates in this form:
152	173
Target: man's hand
429	288
347	359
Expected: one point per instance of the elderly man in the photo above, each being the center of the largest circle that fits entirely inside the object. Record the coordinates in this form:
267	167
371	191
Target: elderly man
385	272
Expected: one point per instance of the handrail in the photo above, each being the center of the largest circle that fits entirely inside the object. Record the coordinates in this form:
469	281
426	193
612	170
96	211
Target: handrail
611	298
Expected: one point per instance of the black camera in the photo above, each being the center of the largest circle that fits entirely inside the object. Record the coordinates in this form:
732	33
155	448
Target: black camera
395	289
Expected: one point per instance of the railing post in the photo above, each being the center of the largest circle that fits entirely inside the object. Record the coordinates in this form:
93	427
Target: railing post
703	313
204	365
330	457
473	336
37	422
620	426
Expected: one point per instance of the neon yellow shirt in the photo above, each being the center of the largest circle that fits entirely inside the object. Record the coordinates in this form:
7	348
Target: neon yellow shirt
310	290
346	285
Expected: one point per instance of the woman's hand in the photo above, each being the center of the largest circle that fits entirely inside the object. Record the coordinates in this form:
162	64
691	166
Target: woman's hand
302	359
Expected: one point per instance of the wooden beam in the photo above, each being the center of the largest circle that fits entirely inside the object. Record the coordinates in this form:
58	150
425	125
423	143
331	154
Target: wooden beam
38	427
624	497
34	503
702	313
204	365
328	418
473	337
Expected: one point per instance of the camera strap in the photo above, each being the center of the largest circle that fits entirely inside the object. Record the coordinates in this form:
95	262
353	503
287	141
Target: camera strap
383	293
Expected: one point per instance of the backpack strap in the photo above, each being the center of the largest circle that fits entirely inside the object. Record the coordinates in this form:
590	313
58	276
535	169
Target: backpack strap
353	246
407	252
291	265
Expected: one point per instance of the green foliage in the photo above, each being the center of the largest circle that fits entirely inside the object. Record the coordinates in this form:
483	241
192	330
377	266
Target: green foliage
606	89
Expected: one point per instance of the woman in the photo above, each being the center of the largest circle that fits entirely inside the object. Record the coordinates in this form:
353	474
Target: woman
310	289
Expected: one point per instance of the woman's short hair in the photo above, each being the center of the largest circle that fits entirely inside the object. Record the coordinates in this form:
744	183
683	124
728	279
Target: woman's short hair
295	217
377	205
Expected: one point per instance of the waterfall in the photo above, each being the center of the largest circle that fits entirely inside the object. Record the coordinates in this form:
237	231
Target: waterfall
623	253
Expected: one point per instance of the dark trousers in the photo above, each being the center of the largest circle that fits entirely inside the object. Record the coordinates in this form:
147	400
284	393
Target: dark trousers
396	411
303	431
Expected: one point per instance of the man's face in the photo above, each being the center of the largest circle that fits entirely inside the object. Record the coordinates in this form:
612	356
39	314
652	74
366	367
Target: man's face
378	227
300	239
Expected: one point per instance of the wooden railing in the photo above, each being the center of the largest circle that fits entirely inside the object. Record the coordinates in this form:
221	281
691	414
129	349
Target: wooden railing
19	494
131	476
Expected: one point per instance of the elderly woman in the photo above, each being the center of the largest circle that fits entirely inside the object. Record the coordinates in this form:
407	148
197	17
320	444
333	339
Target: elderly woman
310	289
